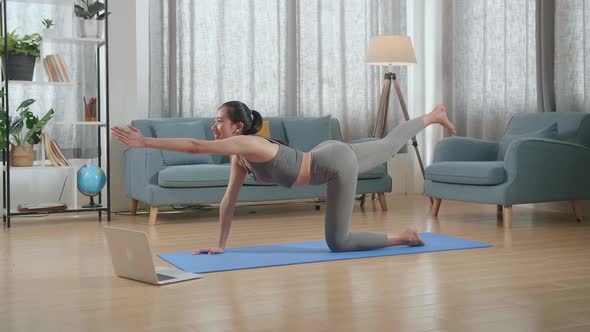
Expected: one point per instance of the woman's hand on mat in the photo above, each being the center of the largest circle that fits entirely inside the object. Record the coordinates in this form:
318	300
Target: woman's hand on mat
130	136
212	250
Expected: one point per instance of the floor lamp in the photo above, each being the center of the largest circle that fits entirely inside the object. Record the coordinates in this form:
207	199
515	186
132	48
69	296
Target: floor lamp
392	50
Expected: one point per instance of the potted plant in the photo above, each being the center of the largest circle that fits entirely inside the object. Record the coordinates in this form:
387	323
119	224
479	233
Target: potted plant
21	55
24	131
90	18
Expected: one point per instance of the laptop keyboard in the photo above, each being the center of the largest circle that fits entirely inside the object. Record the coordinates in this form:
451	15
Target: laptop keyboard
174	273
162	277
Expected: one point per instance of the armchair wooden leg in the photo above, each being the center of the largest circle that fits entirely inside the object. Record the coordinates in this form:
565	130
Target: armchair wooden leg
499	208
363	196
436	206
153	214
133	210
382	201
577	206
507	216
373	196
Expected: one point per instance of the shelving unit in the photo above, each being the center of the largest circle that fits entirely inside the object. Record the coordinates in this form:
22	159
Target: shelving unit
38	184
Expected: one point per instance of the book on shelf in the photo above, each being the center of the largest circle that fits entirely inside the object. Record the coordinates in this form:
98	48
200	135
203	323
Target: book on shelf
46	206
54	152
54	206
56	68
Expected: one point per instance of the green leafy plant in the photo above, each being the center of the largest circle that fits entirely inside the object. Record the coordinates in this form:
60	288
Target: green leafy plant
47	23
24	120
88	11
27	44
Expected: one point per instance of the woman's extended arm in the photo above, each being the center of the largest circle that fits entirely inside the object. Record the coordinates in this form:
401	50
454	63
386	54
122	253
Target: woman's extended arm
229	146
226	209
134	139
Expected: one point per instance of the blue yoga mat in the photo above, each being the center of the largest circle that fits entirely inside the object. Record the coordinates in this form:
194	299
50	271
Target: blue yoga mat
303	252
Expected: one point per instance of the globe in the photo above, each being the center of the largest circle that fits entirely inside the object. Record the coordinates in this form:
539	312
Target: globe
91	180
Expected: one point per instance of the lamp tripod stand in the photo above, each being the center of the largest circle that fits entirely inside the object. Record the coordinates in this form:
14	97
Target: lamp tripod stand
391	50
379	129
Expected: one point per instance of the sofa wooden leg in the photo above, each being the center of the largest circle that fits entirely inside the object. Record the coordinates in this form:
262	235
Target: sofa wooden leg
153	214
436	206
499	208
373	196
507	212
382	201
363	196
133	210
577	206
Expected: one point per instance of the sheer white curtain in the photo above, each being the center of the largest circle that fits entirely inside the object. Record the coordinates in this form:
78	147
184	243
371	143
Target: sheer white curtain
476	57
489	62
285	57
66	100
572	56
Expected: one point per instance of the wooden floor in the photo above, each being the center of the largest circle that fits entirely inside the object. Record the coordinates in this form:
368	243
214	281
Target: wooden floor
56	275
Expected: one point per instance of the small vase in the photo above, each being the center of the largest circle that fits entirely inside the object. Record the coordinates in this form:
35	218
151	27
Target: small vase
90	28
50	33
21	155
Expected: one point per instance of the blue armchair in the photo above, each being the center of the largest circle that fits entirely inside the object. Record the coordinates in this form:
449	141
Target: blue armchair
542	157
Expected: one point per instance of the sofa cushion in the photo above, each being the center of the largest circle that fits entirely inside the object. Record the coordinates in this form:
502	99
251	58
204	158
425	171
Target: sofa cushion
467	172
193	129
200	176
549	131
376	173
304	134
217	175
194	176
265	129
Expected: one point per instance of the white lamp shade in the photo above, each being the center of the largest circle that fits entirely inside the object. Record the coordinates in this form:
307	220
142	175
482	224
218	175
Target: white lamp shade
391	50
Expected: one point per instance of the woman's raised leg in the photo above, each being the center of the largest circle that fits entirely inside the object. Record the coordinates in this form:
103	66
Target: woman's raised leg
370	154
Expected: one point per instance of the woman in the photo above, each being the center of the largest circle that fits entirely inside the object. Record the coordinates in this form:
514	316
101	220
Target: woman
333	162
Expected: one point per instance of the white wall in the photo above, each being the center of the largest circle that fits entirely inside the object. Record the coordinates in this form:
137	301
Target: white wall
425	84
123	84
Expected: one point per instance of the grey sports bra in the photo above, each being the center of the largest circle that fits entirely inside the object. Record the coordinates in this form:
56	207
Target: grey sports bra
283	169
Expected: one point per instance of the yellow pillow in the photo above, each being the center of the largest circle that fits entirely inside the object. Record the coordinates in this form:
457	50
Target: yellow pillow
265	130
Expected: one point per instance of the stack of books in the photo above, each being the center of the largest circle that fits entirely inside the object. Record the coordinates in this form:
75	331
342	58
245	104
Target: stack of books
56	68
54	152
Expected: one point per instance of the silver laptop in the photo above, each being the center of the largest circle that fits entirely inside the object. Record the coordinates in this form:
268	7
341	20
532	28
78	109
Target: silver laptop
132	258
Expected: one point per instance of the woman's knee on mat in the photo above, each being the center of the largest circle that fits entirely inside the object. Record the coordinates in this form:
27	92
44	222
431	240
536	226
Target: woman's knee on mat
337	244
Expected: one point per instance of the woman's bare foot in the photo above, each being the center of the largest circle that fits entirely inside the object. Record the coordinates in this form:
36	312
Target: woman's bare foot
439	115
409	237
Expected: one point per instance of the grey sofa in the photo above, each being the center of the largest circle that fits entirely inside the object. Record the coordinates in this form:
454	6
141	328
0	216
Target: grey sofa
150	179
542	157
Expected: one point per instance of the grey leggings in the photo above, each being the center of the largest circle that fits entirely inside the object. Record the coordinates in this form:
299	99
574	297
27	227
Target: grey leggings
338	164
